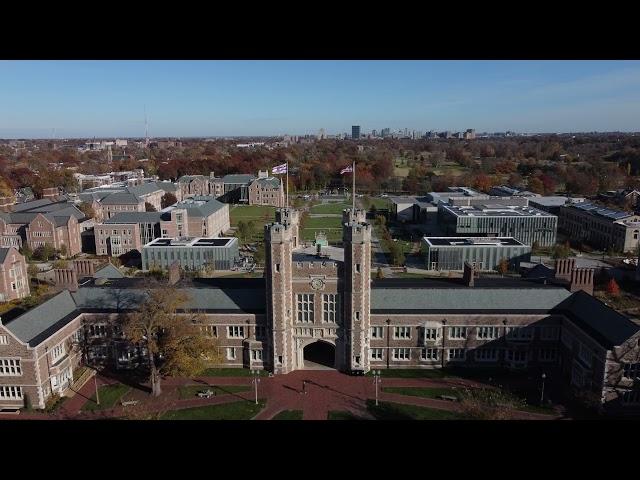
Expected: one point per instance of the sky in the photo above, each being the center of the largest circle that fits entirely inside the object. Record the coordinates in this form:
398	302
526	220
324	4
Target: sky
261	98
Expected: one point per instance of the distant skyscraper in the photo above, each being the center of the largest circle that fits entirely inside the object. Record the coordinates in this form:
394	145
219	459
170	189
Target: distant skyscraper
374	133
386	132
355	132
321	134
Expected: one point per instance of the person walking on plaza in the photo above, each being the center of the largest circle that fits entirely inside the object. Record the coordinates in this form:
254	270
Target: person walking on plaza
304	387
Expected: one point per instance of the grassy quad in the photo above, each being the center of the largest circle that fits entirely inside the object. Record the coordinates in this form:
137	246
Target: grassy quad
191	391
331	226
243	410
424	392
260	215
289	415
397	411
330	208
109	396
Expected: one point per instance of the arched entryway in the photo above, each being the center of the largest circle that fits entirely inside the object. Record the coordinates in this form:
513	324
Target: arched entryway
319	355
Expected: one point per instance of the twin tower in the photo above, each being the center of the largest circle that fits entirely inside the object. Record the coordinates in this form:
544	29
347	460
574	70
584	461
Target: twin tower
318	306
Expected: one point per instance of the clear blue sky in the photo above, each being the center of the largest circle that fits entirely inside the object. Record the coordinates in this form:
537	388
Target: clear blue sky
224	98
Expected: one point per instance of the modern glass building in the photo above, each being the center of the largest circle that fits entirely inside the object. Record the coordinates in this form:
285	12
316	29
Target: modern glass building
192	253
450	253
525	224
355	132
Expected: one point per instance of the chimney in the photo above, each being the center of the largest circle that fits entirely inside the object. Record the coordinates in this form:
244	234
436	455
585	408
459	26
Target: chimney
564	267
212	175
65	278
582	279
468	275
174	273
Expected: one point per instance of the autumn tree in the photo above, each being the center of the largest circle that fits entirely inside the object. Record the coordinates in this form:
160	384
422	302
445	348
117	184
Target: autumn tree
87	209
175	342
612	288
168	199
149	208
503	266
379	273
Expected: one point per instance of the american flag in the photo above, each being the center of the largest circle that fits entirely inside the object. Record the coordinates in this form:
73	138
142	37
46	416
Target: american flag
348	169
279	169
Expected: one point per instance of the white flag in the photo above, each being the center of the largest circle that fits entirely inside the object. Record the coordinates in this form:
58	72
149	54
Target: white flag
280	169
348	169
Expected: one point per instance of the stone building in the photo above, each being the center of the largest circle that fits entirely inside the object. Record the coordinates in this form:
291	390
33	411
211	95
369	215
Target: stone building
14	279
322	310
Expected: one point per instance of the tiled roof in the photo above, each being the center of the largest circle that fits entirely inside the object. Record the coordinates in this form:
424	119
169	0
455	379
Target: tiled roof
121	198
138	217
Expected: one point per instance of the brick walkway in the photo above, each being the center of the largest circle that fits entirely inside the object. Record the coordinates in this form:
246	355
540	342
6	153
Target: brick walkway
325	391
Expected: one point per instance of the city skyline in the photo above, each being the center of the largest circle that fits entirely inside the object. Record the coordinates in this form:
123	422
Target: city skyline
84	99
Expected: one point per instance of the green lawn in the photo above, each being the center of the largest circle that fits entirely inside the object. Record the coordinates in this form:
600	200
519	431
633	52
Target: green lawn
244	410
331	226
331	208
401	171
190	391
251	212
380	203
413	373
424	392
342	415
109	396
289	415
396	411
230	372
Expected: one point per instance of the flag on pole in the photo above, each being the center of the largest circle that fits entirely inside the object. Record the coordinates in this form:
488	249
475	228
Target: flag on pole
348	169
280	169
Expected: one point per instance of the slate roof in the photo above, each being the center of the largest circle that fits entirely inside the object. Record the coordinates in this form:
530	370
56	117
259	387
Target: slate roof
3	253
268	182
238	178
188	178
121	198
144	189
203	210
138	217
21	207
108	271
39	323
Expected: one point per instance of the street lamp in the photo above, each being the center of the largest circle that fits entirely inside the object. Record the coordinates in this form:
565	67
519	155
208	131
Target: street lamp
376	382
256	381
542	394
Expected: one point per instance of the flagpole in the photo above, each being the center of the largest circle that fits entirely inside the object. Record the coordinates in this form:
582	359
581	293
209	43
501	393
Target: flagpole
353	191
287	185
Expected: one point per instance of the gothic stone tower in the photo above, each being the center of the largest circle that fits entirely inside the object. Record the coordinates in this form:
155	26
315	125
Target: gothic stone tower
278	249
291	218
356	238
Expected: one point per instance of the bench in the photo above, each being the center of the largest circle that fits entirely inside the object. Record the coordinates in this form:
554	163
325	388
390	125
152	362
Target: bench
450	398
129	403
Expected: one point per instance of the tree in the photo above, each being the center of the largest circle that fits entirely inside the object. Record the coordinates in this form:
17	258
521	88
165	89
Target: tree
259	254
561	251
44	252
149	208
612	288
503	266
379	273
87	209
168	199
26	251
63	250
175	343
536	185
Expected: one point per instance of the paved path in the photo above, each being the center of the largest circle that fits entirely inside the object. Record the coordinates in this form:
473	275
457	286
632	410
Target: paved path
325	391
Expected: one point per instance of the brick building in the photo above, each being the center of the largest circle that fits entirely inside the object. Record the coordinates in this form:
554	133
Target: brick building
323	310
14	280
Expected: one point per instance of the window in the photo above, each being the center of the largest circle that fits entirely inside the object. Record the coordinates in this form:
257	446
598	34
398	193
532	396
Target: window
429	333
519	333
549	332
547	355
10	393
357	315
231	353
376	332
357	268
4	340
456	354
261	331
401	354
517	356
277	268
235	331
98	330
329	307
429	354
210	330
58	352
584	354
632	396
256	355
10	367
98	351
375	354
631	370
457	333
488	333
402	333
486	354
305	307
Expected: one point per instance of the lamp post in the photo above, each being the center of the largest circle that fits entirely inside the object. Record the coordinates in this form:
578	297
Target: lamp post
388	321
95	382
255	381
542	394
376	382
